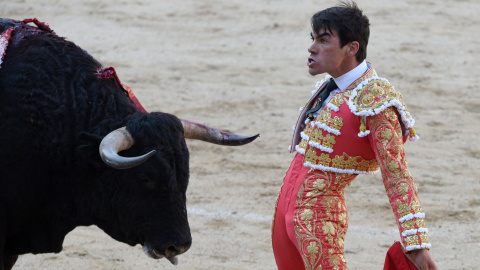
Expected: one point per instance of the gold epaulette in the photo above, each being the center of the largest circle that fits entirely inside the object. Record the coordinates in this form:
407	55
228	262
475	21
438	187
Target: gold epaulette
372	96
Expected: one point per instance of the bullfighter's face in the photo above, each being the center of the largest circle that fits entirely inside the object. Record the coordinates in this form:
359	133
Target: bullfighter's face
326	55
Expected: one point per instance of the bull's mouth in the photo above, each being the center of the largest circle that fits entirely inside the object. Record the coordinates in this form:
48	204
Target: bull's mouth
152	253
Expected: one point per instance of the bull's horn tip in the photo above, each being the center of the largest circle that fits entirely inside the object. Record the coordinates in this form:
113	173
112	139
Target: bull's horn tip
252	138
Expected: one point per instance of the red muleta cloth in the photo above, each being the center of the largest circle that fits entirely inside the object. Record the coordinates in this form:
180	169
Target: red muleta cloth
397	260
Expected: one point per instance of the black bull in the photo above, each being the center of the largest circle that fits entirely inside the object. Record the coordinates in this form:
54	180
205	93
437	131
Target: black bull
55	114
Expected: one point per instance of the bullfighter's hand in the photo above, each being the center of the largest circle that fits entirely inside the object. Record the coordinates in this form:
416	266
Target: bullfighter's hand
423	259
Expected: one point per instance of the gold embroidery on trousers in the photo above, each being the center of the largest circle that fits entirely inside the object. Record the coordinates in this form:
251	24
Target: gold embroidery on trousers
320	219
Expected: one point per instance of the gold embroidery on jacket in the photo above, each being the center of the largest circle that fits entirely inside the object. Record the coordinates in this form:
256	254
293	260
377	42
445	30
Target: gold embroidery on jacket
420	223
343	162
412	240
423	237
326	141
307	131
399	184
303	144
408	225
375	94
311	157
338	99
325	117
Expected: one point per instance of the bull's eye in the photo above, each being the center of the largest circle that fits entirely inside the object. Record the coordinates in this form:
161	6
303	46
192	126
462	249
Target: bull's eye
147	181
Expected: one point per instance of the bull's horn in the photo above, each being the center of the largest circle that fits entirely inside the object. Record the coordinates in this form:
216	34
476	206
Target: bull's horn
200	132
115	142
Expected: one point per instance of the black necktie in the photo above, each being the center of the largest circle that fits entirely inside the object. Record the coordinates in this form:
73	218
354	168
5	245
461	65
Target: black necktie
323	95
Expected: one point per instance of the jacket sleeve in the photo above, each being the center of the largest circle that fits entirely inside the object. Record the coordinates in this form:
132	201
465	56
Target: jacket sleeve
386	140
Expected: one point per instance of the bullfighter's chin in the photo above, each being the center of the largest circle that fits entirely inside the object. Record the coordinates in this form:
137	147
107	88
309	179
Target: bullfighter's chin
152	253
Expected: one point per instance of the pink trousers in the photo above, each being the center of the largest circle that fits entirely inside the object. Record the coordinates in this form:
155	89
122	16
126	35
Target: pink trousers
311	219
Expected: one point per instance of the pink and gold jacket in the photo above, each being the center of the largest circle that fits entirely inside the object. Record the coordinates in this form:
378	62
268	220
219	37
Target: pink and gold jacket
362	131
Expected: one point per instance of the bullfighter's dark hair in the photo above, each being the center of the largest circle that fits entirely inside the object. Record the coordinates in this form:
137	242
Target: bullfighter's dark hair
349	22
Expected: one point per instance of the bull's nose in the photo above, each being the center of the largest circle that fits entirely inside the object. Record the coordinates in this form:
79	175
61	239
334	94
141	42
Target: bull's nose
174	250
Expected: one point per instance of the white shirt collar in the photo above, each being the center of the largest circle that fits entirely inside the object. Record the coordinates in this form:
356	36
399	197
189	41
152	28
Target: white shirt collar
348	78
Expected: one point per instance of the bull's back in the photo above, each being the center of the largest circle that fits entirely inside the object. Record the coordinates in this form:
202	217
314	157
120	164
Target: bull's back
44	90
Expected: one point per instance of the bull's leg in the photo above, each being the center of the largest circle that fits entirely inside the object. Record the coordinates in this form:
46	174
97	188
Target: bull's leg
6	260
3	231
9	261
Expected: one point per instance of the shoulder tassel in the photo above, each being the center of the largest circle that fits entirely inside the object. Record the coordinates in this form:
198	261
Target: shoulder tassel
363	128
413	135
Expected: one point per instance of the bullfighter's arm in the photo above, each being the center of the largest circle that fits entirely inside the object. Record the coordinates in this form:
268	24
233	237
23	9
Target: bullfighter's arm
386	140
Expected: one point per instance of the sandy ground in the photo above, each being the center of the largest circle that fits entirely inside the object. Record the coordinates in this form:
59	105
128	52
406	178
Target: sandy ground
241	66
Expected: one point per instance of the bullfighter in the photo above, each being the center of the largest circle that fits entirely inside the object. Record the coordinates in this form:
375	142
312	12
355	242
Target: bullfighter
355	123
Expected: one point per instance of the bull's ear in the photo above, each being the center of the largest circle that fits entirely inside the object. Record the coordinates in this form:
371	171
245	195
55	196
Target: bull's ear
87	152
85	136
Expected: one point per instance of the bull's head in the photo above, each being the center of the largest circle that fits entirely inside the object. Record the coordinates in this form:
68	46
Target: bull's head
120	139
162	228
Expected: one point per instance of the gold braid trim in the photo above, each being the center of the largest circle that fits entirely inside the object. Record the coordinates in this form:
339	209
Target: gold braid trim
374	95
